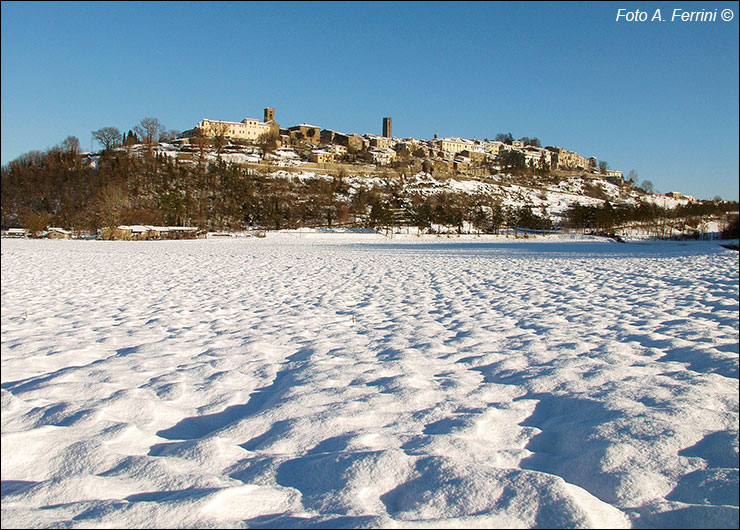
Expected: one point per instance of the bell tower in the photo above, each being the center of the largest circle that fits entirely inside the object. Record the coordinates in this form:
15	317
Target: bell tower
269	114
387	127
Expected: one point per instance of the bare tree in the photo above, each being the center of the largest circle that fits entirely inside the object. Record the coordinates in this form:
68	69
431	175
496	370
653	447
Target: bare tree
201	143
169	135
112	200
70	145
220	136
35	223
647	186
108	137
268	142
149	131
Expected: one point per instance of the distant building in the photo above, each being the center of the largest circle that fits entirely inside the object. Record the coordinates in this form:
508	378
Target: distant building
453	145
382	156
327	136
350	141
58	233
474	157
564	159
15	232
147	233
247	129
387	128
493	148
380	142
320	157
461	164
305	132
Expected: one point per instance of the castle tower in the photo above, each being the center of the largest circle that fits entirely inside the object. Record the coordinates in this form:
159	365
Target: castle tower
387	127
269	114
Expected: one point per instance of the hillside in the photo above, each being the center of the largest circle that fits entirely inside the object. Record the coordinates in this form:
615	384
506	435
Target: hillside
238	188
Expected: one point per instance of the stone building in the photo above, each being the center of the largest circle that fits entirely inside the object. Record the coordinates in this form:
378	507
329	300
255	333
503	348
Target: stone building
320	157
564	159
387	128
380	142
305	133
350	141
453	145
248	129
475	157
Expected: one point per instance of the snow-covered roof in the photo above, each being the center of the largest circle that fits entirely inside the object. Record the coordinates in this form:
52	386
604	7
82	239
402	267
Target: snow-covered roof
146	228
225	121
455	139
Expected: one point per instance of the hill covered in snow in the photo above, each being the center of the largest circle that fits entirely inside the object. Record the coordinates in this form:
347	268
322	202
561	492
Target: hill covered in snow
241	187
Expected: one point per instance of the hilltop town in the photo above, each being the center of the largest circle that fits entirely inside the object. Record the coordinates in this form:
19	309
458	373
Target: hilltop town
253	175
444	156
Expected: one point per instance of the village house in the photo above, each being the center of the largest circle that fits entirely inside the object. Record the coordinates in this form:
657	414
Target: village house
381	157
461	164
327	136
58	233
564	159
474	157
453	146
304	132
338	150
349	141
380	142
536	156
146	232
681	196
492	148
15	232
404	149
320	156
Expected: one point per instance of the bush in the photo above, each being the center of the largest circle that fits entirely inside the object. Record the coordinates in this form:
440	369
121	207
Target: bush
732	231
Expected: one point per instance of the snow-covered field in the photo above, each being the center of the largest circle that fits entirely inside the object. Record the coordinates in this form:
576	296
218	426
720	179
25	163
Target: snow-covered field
350	380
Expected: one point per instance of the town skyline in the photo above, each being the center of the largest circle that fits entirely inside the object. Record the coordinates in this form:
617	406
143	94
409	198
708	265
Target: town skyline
660	99
448	154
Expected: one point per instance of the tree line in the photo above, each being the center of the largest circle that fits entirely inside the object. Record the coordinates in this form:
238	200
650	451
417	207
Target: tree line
656	220
61	187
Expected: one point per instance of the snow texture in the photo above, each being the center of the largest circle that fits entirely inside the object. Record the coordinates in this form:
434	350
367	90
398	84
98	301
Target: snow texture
343	380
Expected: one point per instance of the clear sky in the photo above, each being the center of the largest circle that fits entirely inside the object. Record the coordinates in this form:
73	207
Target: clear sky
657	97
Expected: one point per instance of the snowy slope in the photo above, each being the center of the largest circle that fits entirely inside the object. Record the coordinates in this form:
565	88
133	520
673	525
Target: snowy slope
351	380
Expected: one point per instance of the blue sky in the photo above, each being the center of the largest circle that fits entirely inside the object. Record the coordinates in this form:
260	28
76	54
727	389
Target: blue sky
660	98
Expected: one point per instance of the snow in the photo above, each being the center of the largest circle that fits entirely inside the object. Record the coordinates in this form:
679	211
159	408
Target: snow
314	379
